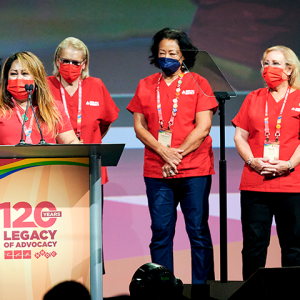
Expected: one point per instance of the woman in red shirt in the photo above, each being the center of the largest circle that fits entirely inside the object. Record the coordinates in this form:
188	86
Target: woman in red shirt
267	138
172	114
86	100
21	69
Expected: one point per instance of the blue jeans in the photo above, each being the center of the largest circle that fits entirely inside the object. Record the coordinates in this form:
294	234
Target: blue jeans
192	194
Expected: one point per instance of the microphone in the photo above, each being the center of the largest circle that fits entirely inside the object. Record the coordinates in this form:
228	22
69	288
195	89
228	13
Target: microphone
29	91
22	142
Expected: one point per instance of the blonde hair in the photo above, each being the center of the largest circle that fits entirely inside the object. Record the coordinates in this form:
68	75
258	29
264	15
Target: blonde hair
78	45
291	61
42	97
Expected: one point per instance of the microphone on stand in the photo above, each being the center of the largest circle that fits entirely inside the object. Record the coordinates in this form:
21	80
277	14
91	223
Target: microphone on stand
22	142
29	91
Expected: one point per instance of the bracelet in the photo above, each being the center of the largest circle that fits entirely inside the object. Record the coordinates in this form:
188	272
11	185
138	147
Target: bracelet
291	167
249	161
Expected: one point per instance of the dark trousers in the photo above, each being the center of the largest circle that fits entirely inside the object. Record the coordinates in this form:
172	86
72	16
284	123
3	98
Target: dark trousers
258	209
192	194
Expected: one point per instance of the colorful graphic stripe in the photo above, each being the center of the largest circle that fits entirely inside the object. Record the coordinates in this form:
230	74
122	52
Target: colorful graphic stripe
11	168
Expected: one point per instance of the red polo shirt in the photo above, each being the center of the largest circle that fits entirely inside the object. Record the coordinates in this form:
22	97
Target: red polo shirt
251	118
97	107
192	99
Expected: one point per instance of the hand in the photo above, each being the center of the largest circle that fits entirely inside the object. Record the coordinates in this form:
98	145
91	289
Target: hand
276	168
258	164
168	171
171	156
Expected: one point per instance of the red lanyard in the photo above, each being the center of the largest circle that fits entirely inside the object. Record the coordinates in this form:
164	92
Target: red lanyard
28	131
62	91
278	126
175	101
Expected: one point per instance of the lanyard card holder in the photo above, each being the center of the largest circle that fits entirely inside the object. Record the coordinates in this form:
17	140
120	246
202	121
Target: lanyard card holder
165	137
271	150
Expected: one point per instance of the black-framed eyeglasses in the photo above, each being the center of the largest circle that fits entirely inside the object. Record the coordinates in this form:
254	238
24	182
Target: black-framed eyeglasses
73	62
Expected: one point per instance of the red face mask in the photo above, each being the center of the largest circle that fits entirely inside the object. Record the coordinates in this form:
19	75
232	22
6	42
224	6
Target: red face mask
17	88
273	76
70	72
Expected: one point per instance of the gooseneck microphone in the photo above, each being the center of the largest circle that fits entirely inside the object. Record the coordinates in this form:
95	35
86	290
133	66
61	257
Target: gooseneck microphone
29	91
22	142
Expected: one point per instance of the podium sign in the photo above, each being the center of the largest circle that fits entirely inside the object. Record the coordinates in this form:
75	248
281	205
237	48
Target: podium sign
47	218
44	223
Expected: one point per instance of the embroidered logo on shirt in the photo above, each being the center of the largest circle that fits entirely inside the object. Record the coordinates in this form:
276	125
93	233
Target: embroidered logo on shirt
296	109
188	92
92	103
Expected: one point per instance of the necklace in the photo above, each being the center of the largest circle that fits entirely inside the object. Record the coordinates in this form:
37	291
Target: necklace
28	130
24	117
279	98
276	97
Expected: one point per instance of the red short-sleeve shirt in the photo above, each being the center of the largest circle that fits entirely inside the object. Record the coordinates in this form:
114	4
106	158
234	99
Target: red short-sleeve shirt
251	118
97	107
192	99
11	127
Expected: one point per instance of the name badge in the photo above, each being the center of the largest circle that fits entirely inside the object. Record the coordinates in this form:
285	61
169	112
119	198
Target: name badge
271	150
165	137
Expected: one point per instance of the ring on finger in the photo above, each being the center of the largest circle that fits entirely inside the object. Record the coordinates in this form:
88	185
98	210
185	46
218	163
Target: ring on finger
171	172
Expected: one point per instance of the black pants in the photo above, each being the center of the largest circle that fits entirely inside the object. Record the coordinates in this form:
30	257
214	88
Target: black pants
258	209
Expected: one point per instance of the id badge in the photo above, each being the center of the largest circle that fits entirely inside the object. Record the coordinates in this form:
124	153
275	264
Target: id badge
165	137
271	150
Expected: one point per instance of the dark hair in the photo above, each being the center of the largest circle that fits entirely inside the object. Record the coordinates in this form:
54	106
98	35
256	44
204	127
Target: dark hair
68	290
182	40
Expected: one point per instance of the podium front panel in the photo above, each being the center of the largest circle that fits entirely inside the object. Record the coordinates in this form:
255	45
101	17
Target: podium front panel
44	221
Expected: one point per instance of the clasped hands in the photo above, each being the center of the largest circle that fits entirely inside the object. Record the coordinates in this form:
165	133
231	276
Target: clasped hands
172	158
269	168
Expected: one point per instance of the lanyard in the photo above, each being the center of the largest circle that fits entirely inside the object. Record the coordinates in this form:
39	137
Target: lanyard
63	95
28	131
175	101
278	126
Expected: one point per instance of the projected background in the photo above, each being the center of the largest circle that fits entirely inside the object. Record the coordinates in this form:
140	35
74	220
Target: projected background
118	34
